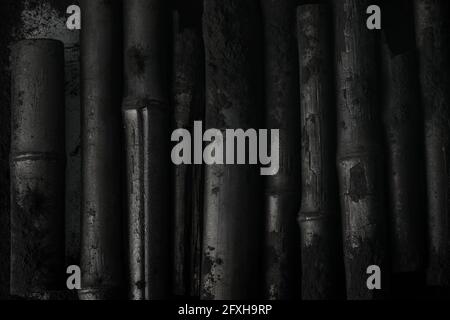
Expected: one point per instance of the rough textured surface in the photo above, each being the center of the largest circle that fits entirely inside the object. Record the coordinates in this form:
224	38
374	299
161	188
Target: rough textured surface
319	220
359	154
232	222
432	36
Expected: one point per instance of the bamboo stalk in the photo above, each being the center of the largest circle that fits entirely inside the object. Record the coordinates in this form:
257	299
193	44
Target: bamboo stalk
281	258
401	115
146	116
37	169
101	243
231	217
359	154
432	37
319	220
188	96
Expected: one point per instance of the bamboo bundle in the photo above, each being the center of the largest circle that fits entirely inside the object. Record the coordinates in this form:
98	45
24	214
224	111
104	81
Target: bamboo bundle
146	118
319	220
432	37
101	205
282	252
359	160
37	169
231	217
188	96
401	117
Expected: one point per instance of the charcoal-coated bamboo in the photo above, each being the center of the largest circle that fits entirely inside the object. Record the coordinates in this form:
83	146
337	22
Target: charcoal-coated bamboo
319	220
37	169
101	205
282	194
188	103
432	36
401	117
359	154
231	234
146	116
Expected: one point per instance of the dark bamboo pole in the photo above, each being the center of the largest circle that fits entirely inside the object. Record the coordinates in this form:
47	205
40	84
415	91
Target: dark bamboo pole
101	241
188	103
359	154
231	234
319	213
282	201
401	117
37	169
432	36
146	115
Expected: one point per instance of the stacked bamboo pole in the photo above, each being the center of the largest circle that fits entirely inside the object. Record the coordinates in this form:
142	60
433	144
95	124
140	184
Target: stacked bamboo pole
319	214
188	103
401	117
281	258
232	219
360	168
146	118
101	243
37	169
432	20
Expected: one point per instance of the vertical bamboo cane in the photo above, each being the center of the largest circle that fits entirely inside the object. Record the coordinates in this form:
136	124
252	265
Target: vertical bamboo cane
432	36
401	115
359	154
101	150
231	235
282	201
319	220
37	169
188	95
146	116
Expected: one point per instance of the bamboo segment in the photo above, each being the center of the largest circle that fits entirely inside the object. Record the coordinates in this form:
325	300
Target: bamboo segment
188	95
432	36
146	116
101	242
401	115
281	258
319	220
231	213
37	169
359	154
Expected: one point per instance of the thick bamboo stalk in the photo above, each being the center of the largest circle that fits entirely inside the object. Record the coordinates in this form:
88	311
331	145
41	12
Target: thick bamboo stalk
146	114
401	116
231	234
37	169
188	103
282	201
432	36
319	213
359	154
101	241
